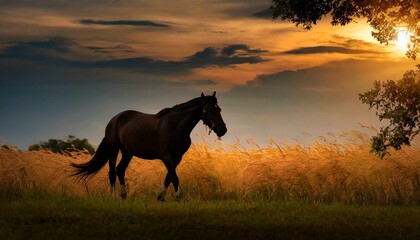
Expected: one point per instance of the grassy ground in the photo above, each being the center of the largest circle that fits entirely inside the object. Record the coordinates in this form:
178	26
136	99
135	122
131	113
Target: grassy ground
52	217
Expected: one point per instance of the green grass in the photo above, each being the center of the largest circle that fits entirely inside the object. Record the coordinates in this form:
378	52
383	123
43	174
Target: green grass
59	217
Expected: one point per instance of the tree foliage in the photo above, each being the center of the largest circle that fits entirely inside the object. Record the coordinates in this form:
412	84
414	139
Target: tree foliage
398	102
387	17
71	144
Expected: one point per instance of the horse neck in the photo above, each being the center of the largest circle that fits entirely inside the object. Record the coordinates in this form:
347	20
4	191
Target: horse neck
189	118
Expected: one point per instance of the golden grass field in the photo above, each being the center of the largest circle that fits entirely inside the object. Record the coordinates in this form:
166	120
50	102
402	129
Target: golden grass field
336	168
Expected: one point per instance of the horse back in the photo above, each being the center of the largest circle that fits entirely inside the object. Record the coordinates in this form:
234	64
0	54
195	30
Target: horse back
136	132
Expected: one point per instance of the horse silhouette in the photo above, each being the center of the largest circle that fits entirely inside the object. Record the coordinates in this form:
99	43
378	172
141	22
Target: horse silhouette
164	136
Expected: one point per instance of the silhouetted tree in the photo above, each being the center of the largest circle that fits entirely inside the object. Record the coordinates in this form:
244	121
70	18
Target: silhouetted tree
396	101
59	146
386	17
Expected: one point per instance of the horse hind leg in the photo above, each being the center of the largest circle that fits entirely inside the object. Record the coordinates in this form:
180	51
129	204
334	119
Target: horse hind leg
112	173
122	166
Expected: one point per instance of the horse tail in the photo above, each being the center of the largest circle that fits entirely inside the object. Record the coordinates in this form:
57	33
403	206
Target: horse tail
101	157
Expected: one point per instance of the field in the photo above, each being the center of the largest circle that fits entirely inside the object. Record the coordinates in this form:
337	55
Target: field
333	188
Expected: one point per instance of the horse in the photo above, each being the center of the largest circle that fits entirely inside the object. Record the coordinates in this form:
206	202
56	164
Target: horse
164	136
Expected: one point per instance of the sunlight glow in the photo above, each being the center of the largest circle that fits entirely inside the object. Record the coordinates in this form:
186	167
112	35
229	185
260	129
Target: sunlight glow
403	39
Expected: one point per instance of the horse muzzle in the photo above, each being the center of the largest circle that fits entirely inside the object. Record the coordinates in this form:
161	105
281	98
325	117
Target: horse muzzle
220	129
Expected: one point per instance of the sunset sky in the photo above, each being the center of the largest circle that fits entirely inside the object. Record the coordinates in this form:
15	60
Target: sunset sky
67	67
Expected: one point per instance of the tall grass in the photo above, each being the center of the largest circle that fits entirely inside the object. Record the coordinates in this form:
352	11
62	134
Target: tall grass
336	168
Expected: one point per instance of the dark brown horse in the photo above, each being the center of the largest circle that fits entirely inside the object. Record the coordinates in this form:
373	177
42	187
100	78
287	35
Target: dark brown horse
165	136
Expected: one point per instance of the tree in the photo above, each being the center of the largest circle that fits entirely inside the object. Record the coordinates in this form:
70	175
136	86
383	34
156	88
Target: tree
59	146
398	102
386	17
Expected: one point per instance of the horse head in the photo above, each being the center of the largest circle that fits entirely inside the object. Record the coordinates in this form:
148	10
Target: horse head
211	115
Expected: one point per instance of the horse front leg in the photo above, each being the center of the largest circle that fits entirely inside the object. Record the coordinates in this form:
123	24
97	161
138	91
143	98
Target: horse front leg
168	180
166	183
171	177
175	182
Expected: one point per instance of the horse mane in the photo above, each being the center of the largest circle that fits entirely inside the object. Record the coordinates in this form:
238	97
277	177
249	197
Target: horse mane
178	107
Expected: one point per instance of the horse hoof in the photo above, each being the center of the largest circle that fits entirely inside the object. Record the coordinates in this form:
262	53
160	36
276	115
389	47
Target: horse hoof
124	196
161	198
179	197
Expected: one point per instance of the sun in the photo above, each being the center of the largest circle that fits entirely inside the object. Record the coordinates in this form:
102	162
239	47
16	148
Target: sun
403	39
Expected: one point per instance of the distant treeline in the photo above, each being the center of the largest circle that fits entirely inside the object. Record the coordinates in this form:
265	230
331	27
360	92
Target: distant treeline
71	144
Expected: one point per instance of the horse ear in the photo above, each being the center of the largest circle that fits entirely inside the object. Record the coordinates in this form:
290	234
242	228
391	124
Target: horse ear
214	94
203	97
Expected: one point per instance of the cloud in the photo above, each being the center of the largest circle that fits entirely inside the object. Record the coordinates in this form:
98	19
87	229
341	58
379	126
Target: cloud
207	57
143	23
240	48
239	9
351	42
116	48
56	44
56	51
202	82
321	89
141	64
265	14
327	49
341	45
212	56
